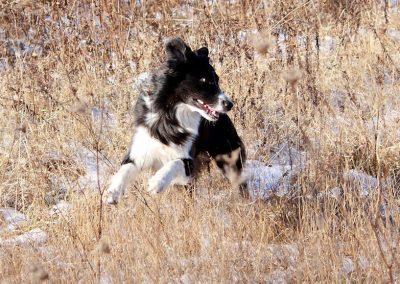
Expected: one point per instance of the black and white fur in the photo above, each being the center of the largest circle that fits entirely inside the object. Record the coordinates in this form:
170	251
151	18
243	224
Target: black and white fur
180	115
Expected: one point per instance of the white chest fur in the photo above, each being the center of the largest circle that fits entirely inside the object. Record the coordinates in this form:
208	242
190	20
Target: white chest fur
147	151
188	117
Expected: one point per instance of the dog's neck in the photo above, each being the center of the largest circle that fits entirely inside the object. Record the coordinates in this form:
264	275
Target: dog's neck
187	118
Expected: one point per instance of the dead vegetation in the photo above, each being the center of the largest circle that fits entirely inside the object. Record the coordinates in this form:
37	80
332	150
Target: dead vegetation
319	76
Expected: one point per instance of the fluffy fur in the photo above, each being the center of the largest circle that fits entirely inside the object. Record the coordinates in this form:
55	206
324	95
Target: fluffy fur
180	115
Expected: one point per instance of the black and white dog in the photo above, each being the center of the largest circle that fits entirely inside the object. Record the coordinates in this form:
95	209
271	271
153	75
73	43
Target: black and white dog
180	114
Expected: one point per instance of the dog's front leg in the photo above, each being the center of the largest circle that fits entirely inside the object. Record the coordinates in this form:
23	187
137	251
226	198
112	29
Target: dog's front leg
177	171
120	180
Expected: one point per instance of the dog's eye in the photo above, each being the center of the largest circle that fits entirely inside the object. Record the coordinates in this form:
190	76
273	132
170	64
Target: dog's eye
205	81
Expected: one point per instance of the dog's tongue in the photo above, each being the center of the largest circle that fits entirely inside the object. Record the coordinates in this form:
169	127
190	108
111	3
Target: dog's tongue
208	109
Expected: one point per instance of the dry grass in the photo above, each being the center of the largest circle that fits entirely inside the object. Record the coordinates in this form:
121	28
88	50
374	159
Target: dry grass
340	106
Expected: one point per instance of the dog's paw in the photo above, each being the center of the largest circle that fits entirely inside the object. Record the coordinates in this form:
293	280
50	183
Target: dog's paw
112	196
110	199
157	185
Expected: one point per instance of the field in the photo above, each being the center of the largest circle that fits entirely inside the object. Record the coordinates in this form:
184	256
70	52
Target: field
316	87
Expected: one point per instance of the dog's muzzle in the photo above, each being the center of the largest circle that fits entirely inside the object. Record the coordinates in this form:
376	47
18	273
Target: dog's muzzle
224	103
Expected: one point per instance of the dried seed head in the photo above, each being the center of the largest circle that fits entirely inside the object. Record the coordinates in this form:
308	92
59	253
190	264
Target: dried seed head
292	76
39	275
261	43
382	30
80	107
22	128
104	247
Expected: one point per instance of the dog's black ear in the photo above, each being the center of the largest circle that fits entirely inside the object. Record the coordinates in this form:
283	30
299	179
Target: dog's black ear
176	50
202	52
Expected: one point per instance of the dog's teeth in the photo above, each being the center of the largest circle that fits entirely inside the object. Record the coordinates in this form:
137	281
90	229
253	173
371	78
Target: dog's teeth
208	109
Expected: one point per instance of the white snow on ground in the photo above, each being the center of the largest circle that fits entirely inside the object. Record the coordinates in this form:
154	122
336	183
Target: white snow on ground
95	169
364	182
328	43
35	236
347	266
95	165
101	115
274	177
12	219
263	181
91	170
394	34
140	82
244	35
105	278
61	208
335	193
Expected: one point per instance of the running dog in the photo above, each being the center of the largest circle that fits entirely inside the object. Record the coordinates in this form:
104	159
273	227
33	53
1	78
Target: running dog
180	116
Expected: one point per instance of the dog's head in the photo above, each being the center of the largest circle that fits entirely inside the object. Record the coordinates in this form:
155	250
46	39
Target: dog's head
194	80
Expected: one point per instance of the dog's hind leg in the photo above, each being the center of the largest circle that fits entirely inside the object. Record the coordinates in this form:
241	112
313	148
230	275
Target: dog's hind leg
120	180
231	165
177	171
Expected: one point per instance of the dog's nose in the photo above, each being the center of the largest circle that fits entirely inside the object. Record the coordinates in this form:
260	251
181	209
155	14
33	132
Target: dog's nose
227	104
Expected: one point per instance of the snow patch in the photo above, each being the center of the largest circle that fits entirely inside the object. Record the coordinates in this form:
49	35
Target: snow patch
141	83
103	116
394	34
263	181
61	208
95	169
328	43
36	236
347	266
105	279
365	182
12	219
275	177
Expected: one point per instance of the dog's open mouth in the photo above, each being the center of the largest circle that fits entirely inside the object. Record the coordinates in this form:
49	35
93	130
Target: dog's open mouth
208	109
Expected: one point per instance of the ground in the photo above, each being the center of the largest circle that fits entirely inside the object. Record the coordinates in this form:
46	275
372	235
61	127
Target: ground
316	92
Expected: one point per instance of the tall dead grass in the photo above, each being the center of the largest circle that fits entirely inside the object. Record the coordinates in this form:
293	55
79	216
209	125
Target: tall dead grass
321	76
